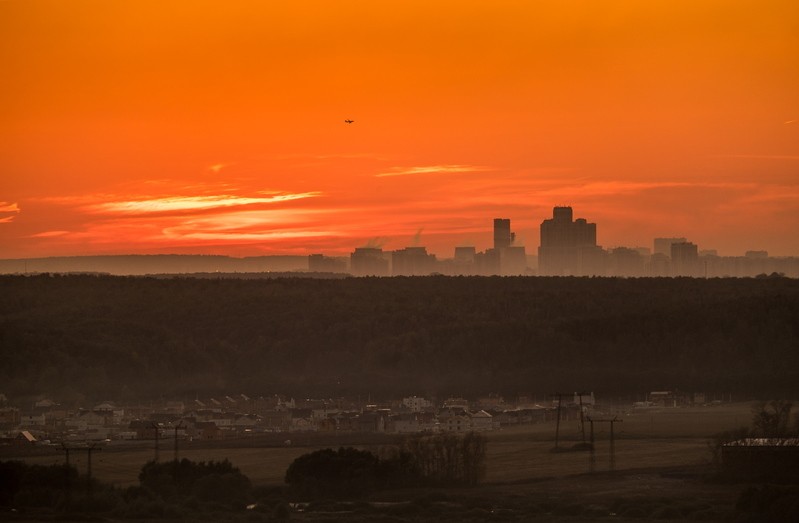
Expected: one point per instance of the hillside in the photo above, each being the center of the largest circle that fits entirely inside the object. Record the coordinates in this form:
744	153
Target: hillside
124	337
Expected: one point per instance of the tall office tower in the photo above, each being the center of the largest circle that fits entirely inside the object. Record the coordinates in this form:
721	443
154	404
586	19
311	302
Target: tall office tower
368	261
502	235
568	247
685	259
412	261
663	245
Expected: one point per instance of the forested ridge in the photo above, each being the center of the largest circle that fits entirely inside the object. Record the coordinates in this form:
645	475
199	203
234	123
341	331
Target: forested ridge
133	337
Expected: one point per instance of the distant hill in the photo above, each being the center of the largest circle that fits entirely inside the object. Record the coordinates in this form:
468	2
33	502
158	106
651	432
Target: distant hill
117	338
138	265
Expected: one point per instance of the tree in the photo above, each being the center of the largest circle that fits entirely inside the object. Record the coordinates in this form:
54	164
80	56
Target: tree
447	459
347	472
770	420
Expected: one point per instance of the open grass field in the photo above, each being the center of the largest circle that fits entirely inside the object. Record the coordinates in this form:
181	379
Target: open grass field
660	473
644	439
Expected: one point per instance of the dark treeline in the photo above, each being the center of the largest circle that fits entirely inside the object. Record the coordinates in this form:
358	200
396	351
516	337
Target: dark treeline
123	337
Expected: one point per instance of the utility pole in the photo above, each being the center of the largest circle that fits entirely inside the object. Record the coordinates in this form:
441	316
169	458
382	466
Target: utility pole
612	421
613	444
178	426
88	449
592	455
67	482
157	433
557	420
582	422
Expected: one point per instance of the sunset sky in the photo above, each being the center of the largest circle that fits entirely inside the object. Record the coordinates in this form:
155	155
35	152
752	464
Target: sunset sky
218	126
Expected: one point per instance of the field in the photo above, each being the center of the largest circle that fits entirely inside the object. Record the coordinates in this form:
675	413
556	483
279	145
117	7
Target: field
645	438
661	458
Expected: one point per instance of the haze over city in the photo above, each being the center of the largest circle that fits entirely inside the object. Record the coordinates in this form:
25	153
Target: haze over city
208	128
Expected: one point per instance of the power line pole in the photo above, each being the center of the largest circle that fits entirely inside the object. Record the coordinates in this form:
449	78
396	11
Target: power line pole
557	419
178	426
157	433
582	421
88	449
67	483
612	421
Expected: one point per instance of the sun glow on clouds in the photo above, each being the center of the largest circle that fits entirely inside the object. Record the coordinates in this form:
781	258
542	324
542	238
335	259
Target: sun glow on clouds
237	218
431	169
8	211
190	203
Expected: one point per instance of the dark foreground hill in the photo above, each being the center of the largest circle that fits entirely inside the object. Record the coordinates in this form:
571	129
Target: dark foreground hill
120	337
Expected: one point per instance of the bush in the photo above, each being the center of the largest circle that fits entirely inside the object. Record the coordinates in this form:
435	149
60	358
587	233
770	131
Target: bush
347	472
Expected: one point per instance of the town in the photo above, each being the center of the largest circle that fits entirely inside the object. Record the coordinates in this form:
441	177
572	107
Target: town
239	416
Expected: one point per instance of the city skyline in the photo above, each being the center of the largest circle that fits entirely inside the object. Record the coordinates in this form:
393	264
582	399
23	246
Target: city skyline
209	128
568	247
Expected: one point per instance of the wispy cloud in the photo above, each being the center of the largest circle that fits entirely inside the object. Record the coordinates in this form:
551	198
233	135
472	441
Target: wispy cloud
190	203
432	169
217	167
50	234
8	212
759	156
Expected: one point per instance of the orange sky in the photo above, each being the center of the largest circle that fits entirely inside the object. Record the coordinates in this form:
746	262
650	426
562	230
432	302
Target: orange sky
218	127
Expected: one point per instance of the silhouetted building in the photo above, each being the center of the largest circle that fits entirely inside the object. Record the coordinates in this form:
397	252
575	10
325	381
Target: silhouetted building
463	263
568	247
487	263
626	263
663	245
322	263
685	259
512	261
368	261
504	259
412	261
503	237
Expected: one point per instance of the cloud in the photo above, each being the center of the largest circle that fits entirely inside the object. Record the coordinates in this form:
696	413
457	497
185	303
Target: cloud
190	203
217	167
432	169
8	212
50	234
759	156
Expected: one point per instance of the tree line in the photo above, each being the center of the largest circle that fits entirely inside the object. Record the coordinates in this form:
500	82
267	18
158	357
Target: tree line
125	338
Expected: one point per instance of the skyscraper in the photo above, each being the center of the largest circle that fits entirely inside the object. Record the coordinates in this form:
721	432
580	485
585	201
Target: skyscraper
568	247
685	259
663	245
502	235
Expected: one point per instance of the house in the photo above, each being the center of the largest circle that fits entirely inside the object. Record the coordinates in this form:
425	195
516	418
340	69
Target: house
33	420
481	421
276	420
246	422
416	404
144	429
411	422
454	420
372	422
112	412
25	438
9	417
491	402
207	430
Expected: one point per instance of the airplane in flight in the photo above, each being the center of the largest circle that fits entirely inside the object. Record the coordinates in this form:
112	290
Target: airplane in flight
348	121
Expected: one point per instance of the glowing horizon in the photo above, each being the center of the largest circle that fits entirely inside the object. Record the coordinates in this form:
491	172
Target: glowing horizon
195	127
